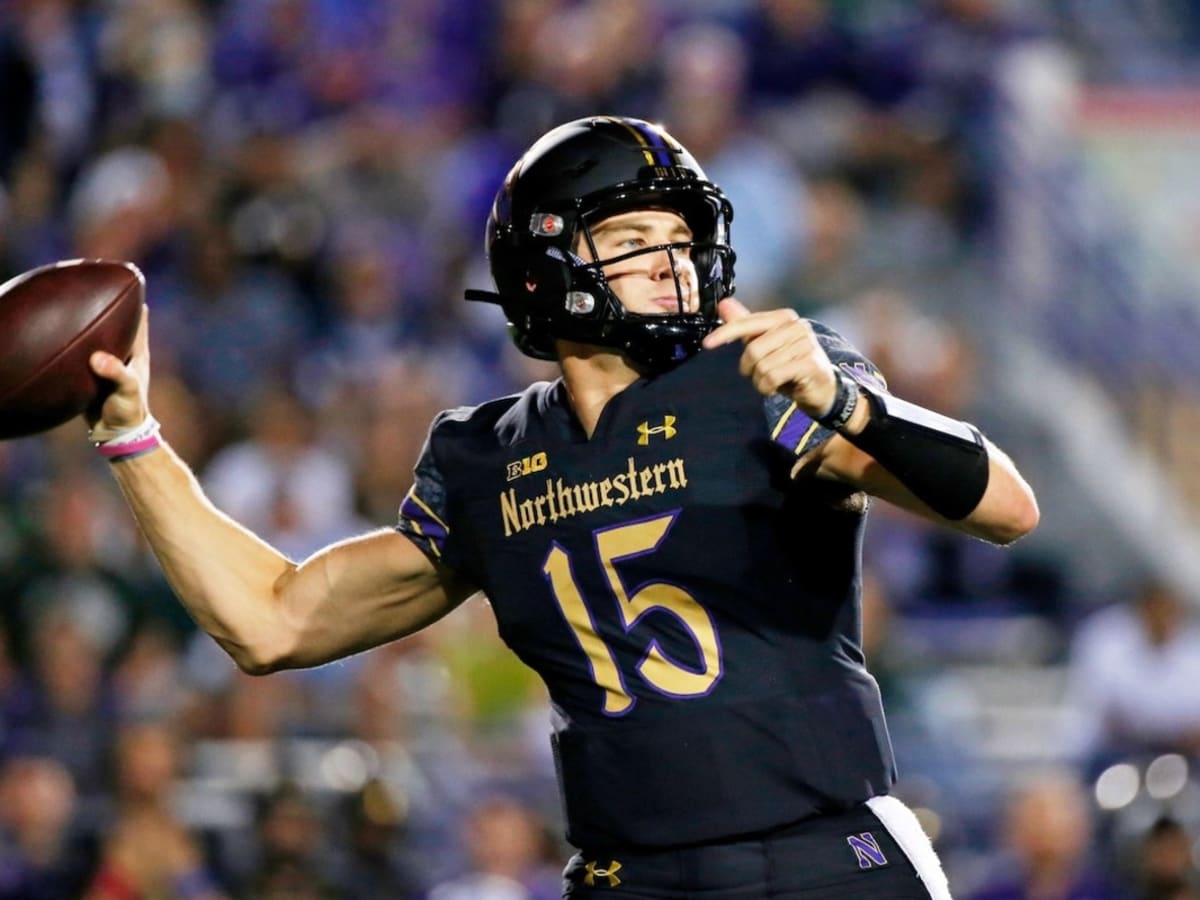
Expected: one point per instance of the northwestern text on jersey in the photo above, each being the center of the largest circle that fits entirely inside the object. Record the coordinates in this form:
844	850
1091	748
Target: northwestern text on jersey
561	499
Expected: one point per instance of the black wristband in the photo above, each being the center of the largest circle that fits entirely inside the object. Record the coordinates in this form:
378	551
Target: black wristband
845	401
943	461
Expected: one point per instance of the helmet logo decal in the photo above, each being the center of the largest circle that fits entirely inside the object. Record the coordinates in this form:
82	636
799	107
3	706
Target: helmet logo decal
546	224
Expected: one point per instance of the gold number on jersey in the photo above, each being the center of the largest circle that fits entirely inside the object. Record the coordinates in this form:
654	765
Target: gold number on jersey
613	545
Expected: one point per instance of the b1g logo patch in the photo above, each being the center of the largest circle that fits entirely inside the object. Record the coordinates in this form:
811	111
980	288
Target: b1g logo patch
867	850
527	465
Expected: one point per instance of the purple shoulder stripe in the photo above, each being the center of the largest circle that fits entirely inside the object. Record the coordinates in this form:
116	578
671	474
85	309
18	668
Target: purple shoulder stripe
794	429
420	522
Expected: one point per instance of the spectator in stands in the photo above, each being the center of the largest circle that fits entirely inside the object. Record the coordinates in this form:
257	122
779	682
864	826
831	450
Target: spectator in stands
1047	831
508	849
148	851
704	97
374	862
19	102
832	264
1134	668
290	858
43	854
799	49
121	207
63	705
556	61
281	479
148	680
233	323
1164	865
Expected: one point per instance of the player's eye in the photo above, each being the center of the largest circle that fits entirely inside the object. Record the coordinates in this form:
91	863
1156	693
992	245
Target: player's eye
631	243
618	246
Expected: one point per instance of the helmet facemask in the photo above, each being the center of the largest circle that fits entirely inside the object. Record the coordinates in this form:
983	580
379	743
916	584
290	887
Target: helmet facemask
587	309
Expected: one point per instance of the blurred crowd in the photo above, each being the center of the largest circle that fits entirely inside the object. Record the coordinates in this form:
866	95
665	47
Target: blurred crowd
304	184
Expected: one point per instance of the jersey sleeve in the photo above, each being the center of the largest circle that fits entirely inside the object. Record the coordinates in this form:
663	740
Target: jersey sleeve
424	511
795	430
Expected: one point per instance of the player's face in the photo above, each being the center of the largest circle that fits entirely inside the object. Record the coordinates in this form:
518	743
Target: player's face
645	283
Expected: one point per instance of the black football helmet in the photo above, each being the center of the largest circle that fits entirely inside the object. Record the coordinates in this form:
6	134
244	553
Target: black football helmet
573	177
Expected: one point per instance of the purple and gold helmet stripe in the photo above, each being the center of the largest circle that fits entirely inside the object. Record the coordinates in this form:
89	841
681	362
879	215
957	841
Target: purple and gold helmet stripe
656	150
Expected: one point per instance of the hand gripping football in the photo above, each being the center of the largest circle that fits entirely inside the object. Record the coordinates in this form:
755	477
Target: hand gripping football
52	319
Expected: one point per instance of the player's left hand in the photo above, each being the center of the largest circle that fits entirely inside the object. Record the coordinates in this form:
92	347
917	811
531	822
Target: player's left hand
782	354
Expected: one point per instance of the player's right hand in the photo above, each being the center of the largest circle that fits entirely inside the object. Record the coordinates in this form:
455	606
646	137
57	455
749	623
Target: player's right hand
782	354
126	407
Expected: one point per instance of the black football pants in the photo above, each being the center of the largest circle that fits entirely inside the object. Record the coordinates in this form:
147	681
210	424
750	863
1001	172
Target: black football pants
852	854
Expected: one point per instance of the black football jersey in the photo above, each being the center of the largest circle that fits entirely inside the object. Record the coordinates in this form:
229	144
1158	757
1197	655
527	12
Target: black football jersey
693	611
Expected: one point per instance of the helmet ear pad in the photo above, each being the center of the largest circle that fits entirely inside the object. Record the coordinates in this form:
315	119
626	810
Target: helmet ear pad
554	275
548	279
537	309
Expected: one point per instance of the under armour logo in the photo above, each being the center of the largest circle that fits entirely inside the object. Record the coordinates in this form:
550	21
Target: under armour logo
666	429
593	871
866	850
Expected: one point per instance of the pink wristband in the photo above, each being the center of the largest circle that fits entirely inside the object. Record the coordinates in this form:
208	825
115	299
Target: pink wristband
134	442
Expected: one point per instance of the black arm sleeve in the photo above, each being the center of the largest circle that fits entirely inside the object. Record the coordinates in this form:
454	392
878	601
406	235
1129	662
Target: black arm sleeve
943	461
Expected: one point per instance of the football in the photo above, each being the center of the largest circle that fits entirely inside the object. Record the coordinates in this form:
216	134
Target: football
51	321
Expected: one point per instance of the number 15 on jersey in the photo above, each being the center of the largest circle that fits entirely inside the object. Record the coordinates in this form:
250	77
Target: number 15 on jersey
668	676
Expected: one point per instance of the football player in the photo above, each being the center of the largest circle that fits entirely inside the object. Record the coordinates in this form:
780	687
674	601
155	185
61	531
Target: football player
669	534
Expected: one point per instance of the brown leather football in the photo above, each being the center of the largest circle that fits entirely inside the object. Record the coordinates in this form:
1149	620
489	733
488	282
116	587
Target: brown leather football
51	321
